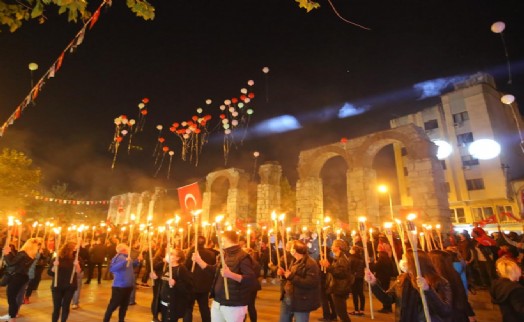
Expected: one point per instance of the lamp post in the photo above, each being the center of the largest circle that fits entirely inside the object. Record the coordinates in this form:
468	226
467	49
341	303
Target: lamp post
508	99
384	189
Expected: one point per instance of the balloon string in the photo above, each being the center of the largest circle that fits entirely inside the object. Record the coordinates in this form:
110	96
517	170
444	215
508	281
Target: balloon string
507	57
344	19
169	167
114	157
160	166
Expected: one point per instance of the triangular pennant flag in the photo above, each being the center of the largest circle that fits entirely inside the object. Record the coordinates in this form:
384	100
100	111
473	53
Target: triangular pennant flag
80	36
36	89
59	61
94	19
52	71
18	112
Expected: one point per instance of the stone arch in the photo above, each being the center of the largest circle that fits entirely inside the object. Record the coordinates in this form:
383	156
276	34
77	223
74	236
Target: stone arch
237	196
426	175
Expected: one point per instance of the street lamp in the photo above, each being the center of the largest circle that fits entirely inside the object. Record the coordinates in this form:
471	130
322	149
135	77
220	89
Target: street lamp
508	99
384	189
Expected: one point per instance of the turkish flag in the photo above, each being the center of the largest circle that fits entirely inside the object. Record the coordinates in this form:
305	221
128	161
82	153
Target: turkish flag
190	197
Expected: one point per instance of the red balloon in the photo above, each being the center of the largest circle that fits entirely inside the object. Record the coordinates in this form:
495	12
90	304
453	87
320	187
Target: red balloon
144	112
207	117
222	116
203	122
194	118
175	125
243	97
197	131
172	129
165	148
123	116
145	100
251	95
118	139
161	140
343	140
182	131
234	100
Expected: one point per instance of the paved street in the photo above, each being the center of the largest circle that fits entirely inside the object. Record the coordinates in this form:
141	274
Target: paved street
95	297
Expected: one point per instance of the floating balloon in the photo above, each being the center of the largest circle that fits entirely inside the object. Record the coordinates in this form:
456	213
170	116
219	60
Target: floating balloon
222	107
199	110
498	27
265	70
145	100
227	102
141	105
33	66
256	154
159	127
507	99
250	111
250	83
208	101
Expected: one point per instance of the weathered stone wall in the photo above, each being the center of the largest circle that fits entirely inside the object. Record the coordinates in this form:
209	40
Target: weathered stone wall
268	191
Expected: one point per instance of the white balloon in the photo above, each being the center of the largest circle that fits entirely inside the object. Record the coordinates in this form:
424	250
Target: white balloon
227	102
199	110
243	91
33	66
208	101
251	82
247	100
231	109
186	136
256	154
171	153
484	149
141	105
132	122
159	127
124	132
265	70
507	99
225	121
124	121
498	27
234	114
183	123
118	121
225	126
222	107
227	131
234	122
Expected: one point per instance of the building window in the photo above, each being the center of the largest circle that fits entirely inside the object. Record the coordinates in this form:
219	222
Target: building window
443	164
460	117
477	214
464	139
403	152
405	172
475	184
458	216
468	160
488	211
430	125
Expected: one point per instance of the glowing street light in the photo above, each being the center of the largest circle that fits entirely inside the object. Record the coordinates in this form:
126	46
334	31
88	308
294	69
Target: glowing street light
384	189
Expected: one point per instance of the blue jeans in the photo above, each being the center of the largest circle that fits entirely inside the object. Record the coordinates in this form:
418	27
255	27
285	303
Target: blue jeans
286	315
76	296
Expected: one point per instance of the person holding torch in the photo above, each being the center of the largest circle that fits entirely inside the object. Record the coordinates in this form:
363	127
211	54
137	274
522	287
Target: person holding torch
62	289
233	282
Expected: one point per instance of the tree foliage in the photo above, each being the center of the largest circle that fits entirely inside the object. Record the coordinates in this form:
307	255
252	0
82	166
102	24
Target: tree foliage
14	13
18	179
308	4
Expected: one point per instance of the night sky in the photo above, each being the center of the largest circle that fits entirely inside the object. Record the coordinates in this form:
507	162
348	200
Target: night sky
200	49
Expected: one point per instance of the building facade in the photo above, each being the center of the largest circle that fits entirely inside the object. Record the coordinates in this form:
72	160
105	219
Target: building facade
478	189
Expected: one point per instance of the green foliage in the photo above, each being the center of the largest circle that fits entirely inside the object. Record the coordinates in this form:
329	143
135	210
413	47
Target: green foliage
14	13
18	178
308	4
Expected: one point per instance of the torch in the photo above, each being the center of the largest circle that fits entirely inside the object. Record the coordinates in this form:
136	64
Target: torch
218	219
274	218
57	247
362	229
439	236
195	222
412	235
281	218
78	241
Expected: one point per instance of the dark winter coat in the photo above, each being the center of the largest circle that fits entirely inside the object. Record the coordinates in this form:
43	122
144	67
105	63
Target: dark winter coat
509	296
340	278
202	281
176	299
97	254
302	288
65	269
408	304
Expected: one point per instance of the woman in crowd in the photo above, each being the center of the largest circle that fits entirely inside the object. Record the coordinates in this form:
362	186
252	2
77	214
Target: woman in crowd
339	278
443	263
301	293
63	291
357	289
506	291
406	296
158	267
175	292
384	271
18	268
35	272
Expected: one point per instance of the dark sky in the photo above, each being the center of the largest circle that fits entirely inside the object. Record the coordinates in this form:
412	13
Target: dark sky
200	49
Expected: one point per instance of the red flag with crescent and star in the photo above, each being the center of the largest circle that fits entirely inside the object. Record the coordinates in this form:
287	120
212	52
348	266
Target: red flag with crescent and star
190	197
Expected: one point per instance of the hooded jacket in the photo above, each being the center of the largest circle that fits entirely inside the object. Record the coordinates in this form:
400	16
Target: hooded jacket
509	296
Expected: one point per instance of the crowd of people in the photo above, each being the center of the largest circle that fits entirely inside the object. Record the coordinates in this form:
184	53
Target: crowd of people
312	273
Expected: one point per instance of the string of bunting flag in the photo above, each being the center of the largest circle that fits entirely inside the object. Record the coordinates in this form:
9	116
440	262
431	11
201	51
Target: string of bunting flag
33	94
72	202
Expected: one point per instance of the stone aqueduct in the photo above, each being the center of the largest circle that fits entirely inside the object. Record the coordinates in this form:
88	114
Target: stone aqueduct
426	180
